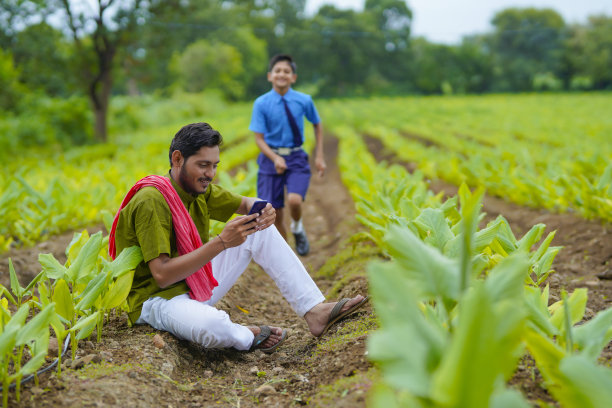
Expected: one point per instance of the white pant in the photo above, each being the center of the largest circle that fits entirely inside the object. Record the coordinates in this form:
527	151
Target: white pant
201	323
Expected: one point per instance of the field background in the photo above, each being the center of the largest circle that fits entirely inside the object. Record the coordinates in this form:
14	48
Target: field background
92	180
468	192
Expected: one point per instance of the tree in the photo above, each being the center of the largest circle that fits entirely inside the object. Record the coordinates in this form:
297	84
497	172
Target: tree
10	88
97	36
205	65
526	42
590	52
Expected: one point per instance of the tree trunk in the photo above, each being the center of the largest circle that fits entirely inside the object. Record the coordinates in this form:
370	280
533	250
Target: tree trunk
99	93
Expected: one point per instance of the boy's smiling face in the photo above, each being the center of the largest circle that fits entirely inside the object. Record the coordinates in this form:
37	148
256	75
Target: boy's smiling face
282	77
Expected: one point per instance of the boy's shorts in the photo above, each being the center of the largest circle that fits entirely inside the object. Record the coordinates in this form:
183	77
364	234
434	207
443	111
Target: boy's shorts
271	186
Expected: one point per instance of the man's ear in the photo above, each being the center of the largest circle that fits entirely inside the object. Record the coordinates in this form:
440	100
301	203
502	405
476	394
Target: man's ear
177	159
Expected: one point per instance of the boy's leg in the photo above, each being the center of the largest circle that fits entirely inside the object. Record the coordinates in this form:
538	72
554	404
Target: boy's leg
279	222
271	187
298	180
195	321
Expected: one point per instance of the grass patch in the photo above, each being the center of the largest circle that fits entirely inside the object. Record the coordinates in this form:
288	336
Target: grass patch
351	261
354	387
349	331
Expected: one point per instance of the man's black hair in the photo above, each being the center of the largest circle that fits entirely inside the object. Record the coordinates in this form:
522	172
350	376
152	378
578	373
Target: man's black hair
192	137
282	57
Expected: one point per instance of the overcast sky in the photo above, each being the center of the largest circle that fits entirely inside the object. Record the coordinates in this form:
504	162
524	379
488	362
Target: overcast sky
446	21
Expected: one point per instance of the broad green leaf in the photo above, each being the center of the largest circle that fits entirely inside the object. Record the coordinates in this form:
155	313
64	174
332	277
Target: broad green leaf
531	237
118	291
36	326
484	347
470	210
542	266
435	275
485	237
86	325
85	261
64	305
51	267
505	279
74	247
15	286
127	260
33	364
43	293
508	398
92	291
547	356
577	305
538	312
402	323
7	339
19	317
586	384
434	226
7	293
34	281
594	335
543	248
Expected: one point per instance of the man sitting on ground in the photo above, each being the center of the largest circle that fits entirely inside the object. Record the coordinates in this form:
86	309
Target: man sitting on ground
174	288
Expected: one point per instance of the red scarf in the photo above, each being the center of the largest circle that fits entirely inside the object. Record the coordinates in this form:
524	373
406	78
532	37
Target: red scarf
202	282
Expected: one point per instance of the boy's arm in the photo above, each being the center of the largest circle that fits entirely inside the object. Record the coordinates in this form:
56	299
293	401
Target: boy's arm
319	156
279	162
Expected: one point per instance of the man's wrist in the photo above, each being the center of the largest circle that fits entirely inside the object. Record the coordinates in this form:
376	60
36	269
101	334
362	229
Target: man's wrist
224	246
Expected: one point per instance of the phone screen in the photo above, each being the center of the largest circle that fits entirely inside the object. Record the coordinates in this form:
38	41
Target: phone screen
258	206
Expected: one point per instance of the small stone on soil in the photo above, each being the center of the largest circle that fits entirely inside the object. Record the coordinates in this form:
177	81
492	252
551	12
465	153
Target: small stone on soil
158	341
264	390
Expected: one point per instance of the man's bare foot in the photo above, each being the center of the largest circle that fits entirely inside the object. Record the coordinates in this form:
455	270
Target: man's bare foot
318	317
276	336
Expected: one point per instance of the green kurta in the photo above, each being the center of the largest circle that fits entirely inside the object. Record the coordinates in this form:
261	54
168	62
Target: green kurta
146	221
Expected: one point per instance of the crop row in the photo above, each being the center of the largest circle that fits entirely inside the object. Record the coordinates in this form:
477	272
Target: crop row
468	301
550	152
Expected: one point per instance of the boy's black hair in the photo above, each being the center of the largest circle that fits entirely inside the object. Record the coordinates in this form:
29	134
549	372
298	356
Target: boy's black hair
192	137
282	57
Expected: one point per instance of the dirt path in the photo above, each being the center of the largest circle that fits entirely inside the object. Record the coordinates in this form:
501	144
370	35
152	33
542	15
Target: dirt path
127	369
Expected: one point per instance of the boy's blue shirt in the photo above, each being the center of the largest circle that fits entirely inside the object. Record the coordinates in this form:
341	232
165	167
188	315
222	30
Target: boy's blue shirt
270	119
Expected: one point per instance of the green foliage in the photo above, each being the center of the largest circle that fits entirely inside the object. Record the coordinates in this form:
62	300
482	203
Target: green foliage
589	53
526	43
11	90
204	65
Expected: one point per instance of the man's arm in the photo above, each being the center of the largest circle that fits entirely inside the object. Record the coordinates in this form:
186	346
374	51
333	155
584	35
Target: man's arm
319	155
167	270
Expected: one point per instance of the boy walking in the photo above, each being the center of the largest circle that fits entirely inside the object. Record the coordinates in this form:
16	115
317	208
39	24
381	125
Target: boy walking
278	124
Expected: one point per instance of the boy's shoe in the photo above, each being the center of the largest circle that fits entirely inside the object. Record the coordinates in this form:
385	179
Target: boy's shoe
301	243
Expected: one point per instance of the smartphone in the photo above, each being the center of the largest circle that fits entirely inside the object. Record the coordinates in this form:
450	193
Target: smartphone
258	206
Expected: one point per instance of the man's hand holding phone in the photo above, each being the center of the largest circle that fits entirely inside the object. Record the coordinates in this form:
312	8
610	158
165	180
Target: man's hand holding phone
267	214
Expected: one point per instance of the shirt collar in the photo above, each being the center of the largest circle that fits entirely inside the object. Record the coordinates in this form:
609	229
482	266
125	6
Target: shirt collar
279	96
186	198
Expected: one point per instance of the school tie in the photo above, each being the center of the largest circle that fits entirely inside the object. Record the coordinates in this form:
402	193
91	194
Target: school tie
297	136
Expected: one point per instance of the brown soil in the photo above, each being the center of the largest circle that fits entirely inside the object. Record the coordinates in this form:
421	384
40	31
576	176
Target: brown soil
127	369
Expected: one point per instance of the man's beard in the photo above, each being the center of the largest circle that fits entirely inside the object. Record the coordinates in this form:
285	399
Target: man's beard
186	184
